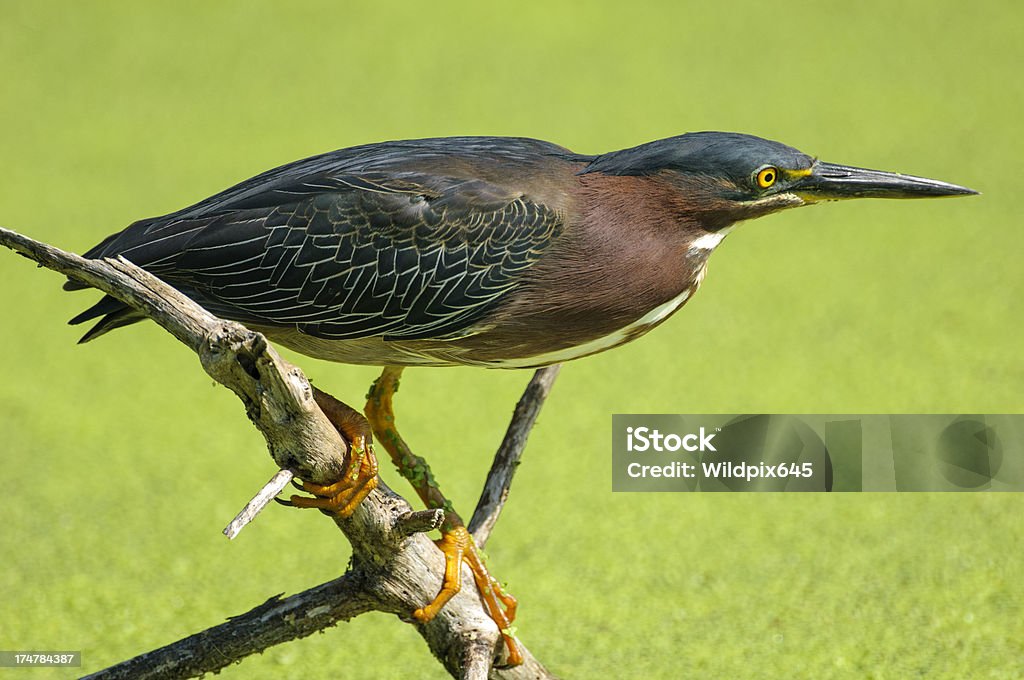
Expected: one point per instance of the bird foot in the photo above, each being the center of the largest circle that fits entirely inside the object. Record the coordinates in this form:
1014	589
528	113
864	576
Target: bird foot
456	542
458	547
342	497
359	477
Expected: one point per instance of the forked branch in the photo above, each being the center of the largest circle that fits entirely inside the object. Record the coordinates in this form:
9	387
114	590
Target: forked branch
395	568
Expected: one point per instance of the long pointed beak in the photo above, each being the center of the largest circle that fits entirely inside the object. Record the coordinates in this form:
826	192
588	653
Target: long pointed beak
831	182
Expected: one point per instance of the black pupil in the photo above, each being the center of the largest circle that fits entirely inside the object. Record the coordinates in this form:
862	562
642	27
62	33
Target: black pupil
768	177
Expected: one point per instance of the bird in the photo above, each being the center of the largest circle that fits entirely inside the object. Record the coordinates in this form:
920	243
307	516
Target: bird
497	252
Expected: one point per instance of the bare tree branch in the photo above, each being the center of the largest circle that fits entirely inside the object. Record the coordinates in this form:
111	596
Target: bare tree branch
395	568
506	460
273	622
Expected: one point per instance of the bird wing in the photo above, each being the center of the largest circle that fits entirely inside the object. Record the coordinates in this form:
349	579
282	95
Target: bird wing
391	252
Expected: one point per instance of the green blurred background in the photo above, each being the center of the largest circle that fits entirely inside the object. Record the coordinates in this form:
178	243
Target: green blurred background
122	462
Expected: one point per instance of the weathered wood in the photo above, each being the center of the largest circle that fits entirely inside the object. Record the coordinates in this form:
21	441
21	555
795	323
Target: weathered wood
267	493
395	568
273	622
506	460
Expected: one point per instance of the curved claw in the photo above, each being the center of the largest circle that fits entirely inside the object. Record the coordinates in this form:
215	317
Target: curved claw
283	501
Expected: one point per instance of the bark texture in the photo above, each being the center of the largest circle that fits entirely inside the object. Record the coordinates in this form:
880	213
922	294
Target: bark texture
395	568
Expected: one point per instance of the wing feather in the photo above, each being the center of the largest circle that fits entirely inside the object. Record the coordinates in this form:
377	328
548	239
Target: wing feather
344	255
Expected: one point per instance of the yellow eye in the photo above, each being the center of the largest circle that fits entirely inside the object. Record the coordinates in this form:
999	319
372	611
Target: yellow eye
766	177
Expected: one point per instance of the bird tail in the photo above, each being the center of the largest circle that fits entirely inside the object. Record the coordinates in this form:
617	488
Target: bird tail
114	314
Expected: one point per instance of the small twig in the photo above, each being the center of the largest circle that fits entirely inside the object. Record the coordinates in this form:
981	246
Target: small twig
506	460
269	491
420	522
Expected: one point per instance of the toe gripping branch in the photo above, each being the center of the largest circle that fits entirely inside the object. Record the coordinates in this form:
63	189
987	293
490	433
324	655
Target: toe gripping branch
360	474
456	542
458	546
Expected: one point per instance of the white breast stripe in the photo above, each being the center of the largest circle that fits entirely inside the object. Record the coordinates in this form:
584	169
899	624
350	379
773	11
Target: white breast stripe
709	240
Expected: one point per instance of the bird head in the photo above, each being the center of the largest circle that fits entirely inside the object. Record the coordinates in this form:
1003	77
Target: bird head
724	177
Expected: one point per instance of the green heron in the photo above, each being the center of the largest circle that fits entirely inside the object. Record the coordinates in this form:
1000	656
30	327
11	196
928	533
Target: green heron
480	251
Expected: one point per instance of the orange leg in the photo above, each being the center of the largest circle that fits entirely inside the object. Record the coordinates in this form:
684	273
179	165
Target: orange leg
360	475
456	542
